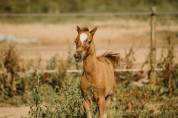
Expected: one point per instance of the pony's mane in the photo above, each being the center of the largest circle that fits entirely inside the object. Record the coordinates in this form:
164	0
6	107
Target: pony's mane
112	57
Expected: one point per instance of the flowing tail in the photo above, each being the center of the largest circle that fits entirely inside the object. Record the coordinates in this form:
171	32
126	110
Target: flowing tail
113	57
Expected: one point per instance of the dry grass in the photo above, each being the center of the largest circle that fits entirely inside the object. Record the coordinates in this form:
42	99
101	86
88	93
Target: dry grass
59	95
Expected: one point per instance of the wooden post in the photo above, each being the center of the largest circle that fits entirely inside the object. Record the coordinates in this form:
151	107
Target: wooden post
28	6
153	46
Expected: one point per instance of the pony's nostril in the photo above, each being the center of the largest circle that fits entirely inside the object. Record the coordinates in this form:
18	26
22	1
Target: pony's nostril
76	55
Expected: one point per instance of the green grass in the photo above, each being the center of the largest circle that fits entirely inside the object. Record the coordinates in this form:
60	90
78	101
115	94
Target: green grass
67	102
48	99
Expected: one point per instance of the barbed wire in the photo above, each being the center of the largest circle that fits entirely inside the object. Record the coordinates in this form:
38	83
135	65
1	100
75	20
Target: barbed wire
80	71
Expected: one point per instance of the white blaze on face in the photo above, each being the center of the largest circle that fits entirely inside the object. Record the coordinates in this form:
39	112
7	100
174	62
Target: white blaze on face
83	37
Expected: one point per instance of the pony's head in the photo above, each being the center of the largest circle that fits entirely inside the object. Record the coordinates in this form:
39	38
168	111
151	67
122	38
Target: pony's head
83	42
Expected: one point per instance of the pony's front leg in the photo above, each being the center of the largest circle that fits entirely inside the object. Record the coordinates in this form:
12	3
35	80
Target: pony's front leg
87	102
87	106
102	107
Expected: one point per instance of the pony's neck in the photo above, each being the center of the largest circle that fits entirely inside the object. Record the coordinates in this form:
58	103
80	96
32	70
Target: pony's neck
89	63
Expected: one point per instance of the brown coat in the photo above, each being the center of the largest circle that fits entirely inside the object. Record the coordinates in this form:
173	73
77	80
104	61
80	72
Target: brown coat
98	72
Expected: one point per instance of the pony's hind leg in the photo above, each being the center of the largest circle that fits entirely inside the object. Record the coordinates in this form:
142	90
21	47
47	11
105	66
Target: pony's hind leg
102	107
87	105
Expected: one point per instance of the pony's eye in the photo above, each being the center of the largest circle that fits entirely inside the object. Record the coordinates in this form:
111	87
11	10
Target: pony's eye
89	41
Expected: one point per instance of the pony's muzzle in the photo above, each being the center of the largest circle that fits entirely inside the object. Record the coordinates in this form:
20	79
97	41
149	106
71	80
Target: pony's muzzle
78	57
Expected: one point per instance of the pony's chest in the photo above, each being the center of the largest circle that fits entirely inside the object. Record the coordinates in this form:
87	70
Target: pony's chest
91	88
93	78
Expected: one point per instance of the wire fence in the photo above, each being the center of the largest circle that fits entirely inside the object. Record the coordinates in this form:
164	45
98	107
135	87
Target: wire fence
80	71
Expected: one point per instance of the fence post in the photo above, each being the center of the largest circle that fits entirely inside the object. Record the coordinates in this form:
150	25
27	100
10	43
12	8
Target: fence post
153	46
28	6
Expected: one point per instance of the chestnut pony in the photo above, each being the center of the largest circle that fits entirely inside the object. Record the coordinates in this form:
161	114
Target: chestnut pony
98	72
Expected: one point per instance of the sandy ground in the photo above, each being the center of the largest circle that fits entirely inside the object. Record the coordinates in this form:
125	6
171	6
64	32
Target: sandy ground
117	33
14	112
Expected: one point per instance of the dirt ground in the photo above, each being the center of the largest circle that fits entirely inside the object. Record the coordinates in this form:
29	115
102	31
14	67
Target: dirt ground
14	112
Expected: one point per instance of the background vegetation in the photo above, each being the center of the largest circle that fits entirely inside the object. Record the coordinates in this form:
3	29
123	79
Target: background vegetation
59	6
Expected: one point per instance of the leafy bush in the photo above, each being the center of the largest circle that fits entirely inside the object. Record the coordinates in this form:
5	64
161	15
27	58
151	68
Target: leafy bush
67	102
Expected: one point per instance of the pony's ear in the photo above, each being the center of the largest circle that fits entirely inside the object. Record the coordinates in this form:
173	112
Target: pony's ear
78	29
92	32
